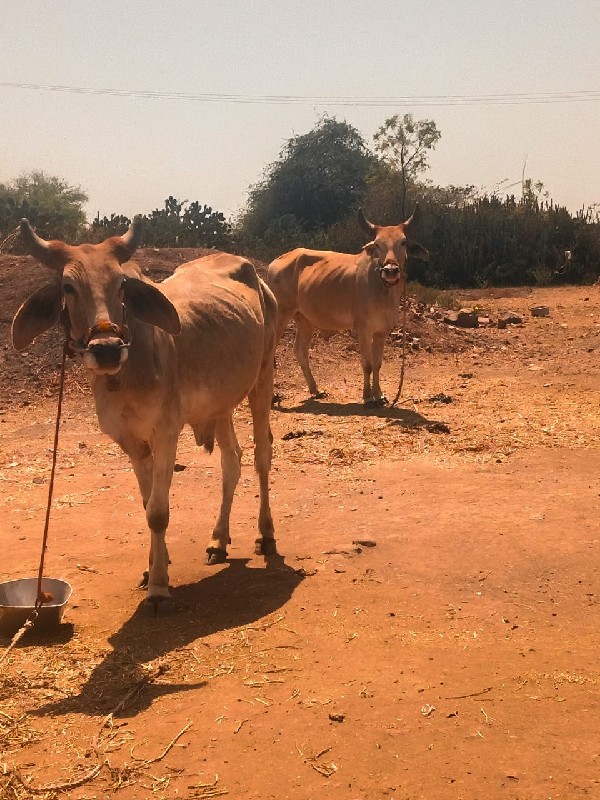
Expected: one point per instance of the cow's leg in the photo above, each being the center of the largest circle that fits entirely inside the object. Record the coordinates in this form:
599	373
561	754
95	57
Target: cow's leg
304	332
284	315
231	457
258	399
157	515
366	357
140	455
377	350
142	461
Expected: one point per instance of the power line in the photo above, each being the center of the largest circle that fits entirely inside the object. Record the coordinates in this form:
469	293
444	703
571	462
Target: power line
335	100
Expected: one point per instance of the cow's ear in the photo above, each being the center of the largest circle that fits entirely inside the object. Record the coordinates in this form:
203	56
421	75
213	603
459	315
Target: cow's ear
415	250
369	248
37	314
148	304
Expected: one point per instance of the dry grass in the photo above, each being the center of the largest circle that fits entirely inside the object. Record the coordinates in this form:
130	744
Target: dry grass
111	759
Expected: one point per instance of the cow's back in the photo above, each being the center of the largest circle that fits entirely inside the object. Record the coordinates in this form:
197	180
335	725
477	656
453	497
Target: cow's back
320	284
284	272
221	304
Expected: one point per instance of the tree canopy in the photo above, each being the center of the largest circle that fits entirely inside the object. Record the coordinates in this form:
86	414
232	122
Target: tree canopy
319	177
404	144
53	206
173	225
308	197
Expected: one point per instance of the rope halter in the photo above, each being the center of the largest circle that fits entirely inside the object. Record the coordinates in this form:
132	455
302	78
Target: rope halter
120	332
391	268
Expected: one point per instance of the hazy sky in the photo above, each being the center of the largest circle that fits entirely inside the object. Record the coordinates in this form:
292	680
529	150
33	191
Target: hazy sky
130	152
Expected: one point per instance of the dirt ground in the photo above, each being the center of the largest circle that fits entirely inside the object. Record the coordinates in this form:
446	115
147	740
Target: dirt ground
455	658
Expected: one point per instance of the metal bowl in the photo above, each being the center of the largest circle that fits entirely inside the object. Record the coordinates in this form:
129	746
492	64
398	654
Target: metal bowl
17	601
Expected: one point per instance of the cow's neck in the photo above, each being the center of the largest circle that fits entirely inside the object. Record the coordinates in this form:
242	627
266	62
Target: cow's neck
391	295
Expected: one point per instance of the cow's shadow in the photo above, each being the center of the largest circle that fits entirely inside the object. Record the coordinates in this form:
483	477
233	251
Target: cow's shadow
403	416
235	596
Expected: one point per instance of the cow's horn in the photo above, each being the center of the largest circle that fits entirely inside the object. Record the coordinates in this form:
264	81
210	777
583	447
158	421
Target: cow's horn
34	245
130	241
414	217
364	223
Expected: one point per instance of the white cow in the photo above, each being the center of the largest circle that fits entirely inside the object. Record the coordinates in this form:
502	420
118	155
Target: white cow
160	358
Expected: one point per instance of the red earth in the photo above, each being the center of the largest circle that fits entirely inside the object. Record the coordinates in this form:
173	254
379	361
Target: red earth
452	653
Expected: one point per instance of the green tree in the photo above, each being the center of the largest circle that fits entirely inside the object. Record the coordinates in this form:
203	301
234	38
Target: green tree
319	178
203	227
102	228
404	144
533	192
195	226
54	207
162	226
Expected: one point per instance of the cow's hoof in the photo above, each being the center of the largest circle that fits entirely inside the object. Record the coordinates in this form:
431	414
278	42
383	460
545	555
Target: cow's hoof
156	601
215	555
143	584
375	402
320	394
265	547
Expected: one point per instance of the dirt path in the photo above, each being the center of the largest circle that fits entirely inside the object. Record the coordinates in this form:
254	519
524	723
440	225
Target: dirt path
456	658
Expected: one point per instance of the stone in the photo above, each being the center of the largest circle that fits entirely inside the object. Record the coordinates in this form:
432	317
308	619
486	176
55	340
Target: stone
449	317
465	318
509	318
540	311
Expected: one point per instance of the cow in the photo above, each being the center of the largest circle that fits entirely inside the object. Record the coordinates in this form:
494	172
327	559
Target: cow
160	357
340	291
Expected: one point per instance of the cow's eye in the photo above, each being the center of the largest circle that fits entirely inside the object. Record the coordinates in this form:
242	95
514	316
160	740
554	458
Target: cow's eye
68	289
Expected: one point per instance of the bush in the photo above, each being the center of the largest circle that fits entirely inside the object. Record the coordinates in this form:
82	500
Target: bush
54	207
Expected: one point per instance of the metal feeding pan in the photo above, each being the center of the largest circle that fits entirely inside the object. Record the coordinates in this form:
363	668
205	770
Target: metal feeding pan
17	601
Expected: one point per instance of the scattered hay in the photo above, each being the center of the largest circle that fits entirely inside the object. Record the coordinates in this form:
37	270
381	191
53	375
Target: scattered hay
16	732
203	791
62	673
106	741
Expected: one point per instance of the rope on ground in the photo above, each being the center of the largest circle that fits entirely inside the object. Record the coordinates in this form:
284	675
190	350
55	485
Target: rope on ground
21	632
403	364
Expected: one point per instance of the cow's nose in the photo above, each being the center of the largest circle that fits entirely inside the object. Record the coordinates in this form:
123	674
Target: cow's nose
107	352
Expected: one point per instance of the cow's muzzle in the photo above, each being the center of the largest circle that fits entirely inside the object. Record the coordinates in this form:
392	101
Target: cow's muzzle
390	274
104	348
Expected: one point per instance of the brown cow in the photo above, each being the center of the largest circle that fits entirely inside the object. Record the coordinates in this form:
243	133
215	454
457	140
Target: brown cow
160	358
339	291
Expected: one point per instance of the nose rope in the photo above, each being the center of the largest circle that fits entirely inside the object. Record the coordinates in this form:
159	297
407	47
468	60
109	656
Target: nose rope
41	596
403	363
104	326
